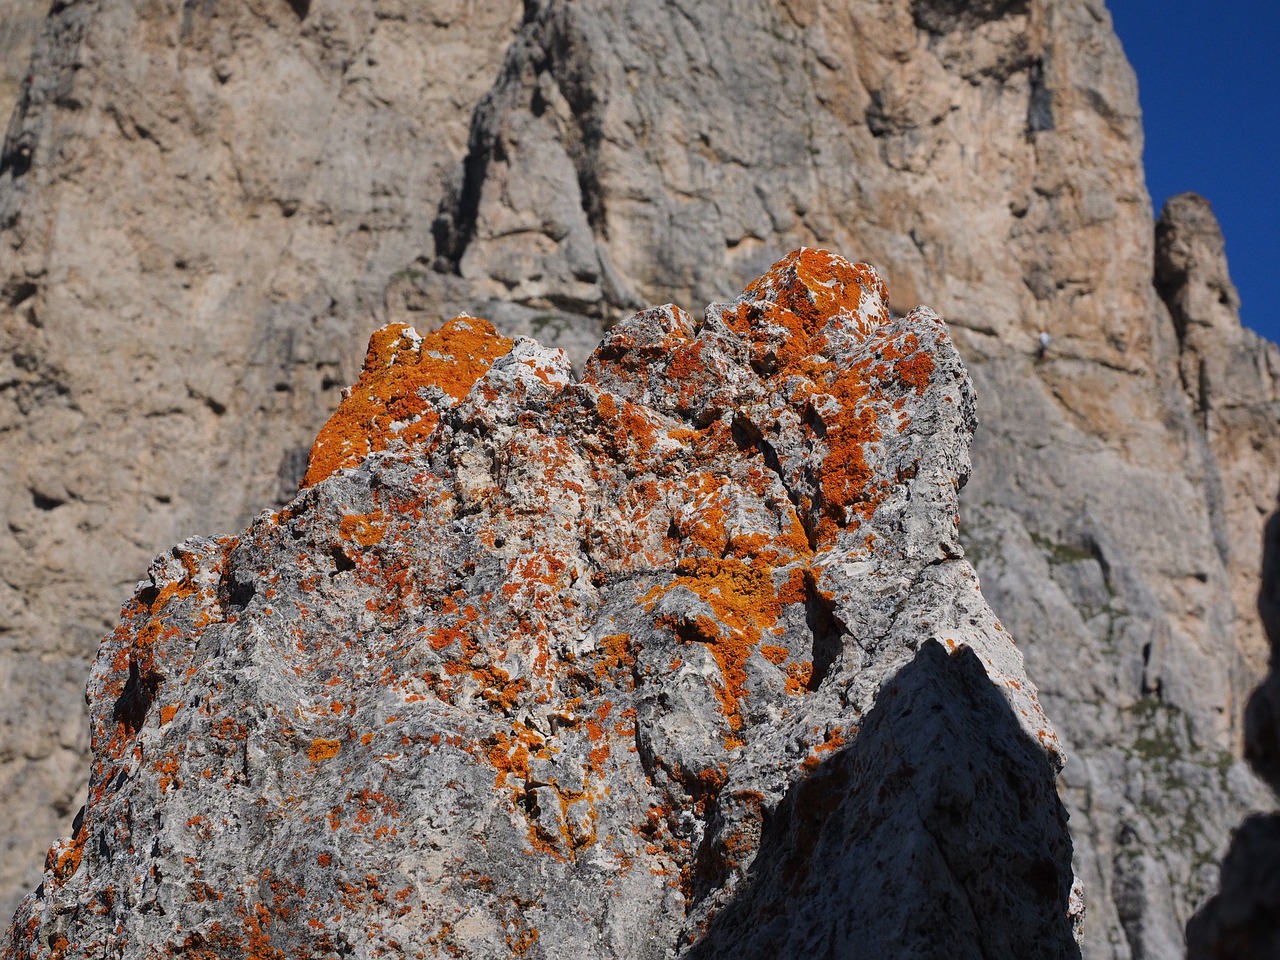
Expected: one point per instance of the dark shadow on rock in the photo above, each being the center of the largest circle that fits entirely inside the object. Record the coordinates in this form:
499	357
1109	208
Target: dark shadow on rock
1240	923
937	833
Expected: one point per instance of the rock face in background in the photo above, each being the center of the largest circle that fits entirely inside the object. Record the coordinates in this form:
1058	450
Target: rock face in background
678	660
20	22
205	210
1240	921
1232	378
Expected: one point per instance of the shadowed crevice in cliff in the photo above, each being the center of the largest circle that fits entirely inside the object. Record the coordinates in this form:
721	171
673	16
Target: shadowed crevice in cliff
1262	714
944	16
533	169
921	831
548	73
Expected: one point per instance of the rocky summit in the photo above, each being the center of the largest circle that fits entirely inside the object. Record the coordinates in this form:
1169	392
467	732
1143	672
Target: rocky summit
680	657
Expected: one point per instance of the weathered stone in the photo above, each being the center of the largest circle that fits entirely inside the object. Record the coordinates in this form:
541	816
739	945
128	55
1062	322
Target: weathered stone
1241	920
19	25
1232	378
202	204
677	659
206	208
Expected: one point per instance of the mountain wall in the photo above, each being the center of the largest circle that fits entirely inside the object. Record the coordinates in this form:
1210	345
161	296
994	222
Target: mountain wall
1239	921
205	209
20	22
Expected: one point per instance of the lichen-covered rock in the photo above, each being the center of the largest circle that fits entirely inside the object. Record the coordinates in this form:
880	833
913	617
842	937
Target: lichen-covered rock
206	207
680	658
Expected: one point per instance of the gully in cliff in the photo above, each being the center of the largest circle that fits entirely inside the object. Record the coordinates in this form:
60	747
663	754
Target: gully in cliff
680	658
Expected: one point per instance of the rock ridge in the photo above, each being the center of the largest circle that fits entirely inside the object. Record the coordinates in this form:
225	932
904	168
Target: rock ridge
680	657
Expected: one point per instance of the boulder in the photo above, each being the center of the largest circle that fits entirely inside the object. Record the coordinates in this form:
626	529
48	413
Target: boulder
677	658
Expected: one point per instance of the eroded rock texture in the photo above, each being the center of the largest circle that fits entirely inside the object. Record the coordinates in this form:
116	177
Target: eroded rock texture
1243	919
1232	378
680	659
20	22
207	207
213	197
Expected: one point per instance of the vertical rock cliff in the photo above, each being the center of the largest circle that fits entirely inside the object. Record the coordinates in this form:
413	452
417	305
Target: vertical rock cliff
1241	919
680	659
206	208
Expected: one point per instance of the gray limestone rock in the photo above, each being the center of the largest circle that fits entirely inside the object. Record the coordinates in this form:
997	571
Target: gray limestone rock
20	22
1240	920
677	659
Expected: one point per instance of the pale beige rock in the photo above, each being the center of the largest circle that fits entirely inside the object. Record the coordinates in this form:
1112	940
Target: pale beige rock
1239	921
19	25
218	205
1232	378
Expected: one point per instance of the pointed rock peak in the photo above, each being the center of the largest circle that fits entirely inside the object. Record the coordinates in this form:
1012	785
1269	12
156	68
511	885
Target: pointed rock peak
819	287
1191	271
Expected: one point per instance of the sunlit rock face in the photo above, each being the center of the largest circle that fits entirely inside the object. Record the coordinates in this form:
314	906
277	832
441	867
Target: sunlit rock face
207	208
679	657
1242	920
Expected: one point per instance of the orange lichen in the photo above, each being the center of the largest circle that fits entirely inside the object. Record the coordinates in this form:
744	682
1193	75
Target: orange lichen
799	676
846	475
796	589
790	316
391	400
322	749
64	856
498	688
522	941
366	529
833	741
615	656
775	655
167	766
817	285
742	596
907	363
803	294
510	754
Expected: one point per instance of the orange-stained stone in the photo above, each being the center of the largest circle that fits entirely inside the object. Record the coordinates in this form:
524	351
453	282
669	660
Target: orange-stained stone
387	402
817	286
322	749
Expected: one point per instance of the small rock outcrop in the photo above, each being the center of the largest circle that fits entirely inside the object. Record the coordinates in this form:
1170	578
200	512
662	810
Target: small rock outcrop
680	658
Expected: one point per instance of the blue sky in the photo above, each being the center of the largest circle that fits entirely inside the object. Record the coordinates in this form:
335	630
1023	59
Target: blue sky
1209	81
